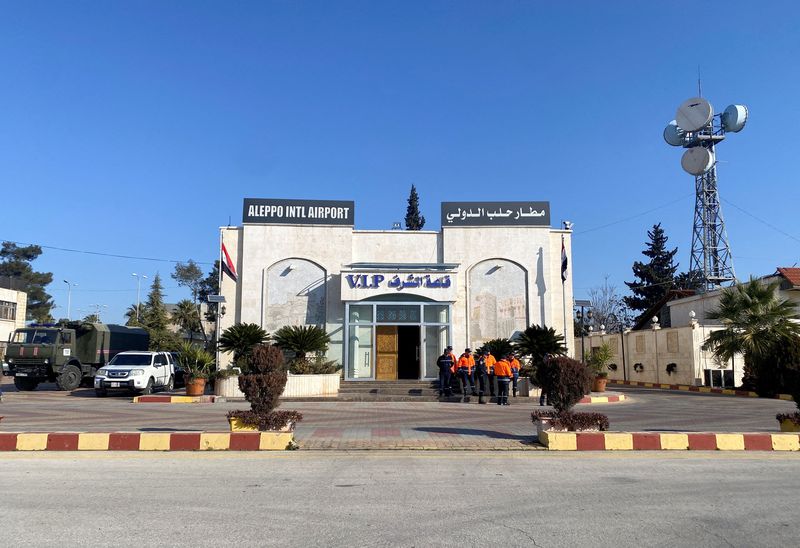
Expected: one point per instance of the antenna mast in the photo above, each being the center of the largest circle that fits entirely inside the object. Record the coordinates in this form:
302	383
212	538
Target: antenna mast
697	129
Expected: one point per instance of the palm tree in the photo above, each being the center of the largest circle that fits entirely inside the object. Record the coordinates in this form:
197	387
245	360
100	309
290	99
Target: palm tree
536	342
756	323
498	347
131	314
753	319
241	338
302	340
185	316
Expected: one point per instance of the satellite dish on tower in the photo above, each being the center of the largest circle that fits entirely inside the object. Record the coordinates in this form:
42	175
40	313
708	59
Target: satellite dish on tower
693	114
697	160
674	135
734	118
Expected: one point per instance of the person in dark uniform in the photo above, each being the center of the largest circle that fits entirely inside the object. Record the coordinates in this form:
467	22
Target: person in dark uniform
481	374
445	364
543	396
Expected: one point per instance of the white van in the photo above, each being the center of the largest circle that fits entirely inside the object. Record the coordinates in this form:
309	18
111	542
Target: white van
141	372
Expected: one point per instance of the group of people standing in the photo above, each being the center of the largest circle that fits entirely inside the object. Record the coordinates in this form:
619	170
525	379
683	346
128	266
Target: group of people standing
475	372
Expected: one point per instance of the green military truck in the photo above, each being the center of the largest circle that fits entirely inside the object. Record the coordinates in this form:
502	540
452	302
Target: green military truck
67	354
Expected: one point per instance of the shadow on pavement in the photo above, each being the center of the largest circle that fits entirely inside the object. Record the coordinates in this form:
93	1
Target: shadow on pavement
476	432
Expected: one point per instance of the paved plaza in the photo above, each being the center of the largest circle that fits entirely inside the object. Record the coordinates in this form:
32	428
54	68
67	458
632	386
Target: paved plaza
389	425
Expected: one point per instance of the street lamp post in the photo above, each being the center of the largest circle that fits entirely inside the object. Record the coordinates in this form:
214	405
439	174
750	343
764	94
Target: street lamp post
613	318
69	298
138	291
584	319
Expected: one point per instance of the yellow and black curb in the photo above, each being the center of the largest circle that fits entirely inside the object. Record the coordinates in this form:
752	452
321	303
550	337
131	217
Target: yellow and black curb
146	441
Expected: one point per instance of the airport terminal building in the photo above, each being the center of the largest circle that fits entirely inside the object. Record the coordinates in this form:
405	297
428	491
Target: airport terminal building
391	300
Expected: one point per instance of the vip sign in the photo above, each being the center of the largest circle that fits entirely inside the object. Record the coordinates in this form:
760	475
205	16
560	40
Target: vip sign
436	285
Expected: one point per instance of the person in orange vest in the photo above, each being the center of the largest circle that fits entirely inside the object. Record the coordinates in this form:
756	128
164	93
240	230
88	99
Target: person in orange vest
515	367
464	370
502	370
490	361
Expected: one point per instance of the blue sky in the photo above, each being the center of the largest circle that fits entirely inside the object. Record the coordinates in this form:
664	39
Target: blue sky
136	128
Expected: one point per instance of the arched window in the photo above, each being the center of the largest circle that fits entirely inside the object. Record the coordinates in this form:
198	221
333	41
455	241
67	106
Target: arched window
295	294
498	300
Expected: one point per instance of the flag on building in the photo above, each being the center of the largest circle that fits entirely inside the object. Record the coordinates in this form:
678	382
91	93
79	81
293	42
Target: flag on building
227	265
563	261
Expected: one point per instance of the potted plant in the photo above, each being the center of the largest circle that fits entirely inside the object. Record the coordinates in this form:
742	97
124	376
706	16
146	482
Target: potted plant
197	367
597	360
790	422
565	381
240	339
262	383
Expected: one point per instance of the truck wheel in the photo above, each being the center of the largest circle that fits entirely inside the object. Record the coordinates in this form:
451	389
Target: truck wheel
25	385
147	390
69	379
170	384
100	393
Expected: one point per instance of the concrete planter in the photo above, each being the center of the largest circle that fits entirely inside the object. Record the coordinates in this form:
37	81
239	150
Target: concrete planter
297	386
788	425
526	390
238	426
312	386
228	388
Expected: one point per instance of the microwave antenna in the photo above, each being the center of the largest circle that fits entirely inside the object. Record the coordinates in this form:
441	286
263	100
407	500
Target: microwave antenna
698	130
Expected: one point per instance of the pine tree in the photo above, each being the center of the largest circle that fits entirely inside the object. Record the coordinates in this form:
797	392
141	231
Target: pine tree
655	277
414	221
16	273
155	318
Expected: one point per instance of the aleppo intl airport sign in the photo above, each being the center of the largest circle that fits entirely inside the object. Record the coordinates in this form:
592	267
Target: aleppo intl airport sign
495	214
298	212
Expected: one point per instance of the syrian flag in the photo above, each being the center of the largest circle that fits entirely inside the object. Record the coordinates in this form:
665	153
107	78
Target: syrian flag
563	261
227	265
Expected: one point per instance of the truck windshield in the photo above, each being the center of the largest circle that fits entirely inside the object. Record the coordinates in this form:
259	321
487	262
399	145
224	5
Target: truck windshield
35	336
130	359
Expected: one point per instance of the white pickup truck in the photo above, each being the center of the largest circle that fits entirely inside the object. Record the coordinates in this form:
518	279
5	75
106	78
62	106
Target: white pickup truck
140	372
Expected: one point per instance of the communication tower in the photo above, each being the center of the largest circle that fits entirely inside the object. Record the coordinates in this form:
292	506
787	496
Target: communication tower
697	129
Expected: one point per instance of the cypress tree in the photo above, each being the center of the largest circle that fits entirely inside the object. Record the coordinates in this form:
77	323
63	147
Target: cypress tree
414	221
654	278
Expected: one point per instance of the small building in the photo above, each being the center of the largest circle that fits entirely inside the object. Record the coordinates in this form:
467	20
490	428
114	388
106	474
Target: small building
391	300
13	307
673	354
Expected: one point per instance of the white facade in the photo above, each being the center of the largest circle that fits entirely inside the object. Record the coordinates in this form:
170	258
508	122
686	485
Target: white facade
13	307
416	290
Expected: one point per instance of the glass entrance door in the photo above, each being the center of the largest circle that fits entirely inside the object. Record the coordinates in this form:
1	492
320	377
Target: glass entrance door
393	340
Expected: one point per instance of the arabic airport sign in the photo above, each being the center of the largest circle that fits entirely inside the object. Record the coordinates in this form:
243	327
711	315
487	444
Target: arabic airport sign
298	212
495	214
434	285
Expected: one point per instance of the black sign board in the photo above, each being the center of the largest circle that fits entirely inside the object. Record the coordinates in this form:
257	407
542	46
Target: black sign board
495	214
298	212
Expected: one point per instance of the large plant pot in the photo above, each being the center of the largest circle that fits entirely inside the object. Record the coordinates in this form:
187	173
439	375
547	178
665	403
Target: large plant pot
599	384
195	387
228	387
788	425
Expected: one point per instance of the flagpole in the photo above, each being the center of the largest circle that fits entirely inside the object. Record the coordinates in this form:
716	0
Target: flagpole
219	289
564	290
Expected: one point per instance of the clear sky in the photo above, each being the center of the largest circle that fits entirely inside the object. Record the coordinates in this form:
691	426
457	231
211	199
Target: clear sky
136	128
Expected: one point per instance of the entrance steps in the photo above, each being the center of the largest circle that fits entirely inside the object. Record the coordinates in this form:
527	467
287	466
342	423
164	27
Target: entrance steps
401	390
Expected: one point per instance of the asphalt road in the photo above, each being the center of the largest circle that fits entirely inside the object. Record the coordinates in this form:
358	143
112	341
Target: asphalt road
400	499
